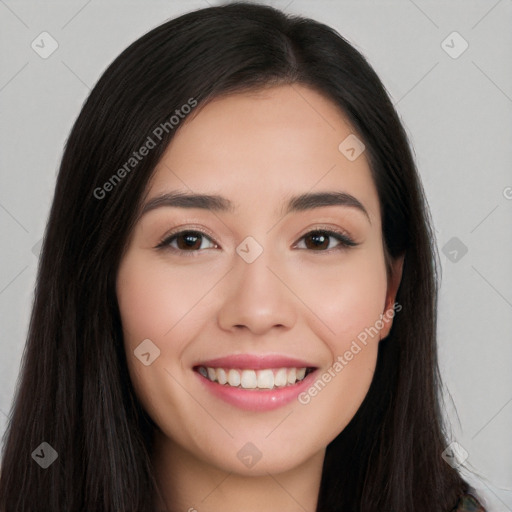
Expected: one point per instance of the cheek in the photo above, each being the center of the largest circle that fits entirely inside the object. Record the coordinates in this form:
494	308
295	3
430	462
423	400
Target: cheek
154	301
348	297
154	298
163	303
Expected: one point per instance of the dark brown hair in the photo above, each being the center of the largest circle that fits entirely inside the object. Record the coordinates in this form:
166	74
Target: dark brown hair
74	390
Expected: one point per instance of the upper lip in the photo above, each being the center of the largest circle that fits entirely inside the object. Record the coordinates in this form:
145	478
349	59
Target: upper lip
255	362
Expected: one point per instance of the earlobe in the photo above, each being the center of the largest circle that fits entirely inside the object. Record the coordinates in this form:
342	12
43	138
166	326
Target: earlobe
393	284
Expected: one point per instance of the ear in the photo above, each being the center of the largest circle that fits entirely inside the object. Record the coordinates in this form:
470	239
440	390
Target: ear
393	283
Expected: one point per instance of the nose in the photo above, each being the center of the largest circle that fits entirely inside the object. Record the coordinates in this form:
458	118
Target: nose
257	297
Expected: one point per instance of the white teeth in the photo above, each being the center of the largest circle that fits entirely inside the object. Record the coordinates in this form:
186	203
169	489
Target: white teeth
211	373
221	376
248	379
292	375
265	379
233	378
280	379
254	379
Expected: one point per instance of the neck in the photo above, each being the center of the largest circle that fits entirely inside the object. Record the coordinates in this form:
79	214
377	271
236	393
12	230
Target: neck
187	483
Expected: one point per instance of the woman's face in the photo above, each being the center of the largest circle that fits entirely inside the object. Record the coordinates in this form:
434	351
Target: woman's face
257	292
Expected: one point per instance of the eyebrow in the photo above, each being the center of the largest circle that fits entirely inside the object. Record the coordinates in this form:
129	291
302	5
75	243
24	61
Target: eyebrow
302	202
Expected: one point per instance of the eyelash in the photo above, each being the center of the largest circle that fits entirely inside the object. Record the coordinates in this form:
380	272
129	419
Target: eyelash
346	241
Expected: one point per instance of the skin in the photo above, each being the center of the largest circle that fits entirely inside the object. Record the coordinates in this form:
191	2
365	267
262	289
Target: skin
292	300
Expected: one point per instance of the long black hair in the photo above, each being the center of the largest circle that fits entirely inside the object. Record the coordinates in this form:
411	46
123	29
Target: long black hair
74	390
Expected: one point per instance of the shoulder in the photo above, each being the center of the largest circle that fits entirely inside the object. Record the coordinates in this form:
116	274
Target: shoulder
468	503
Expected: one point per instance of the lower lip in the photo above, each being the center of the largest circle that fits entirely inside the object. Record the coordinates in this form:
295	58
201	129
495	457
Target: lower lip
256	399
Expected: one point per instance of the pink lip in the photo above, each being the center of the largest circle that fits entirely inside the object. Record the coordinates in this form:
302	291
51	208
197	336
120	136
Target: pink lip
254	362
255	399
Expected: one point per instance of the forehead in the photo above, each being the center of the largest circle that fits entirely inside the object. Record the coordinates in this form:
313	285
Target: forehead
261	148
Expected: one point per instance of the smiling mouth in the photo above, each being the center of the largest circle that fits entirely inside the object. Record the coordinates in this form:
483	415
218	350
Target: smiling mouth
263	379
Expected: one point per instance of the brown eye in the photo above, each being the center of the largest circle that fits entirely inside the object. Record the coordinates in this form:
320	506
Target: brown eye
187	241
319	240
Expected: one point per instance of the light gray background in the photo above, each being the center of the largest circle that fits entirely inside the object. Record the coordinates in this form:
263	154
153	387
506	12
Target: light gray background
457	112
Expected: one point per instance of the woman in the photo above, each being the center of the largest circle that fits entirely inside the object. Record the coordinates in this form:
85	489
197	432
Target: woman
290	363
